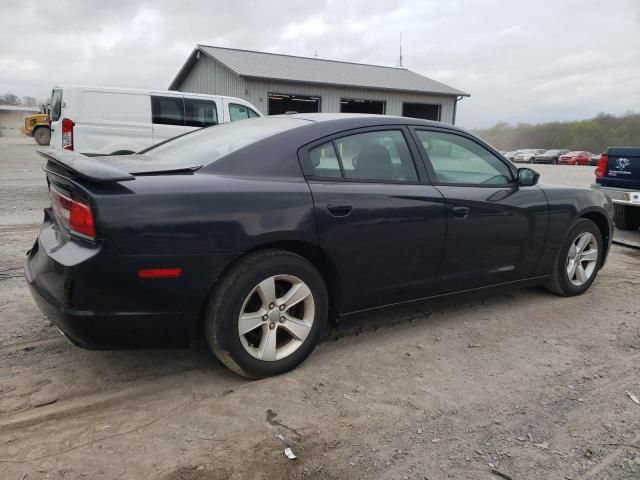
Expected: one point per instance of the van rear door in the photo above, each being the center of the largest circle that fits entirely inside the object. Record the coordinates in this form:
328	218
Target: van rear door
55	117
167	112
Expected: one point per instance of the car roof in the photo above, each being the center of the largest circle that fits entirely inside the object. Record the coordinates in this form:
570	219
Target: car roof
355	120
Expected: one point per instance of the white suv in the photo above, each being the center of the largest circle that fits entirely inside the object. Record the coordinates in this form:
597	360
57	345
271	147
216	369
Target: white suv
108	121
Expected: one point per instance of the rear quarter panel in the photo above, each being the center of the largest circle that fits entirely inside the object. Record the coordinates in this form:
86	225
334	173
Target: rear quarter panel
204	213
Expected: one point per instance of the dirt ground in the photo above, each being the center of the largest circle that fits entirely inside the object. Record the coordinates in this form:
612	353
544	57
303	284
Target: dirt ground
523	382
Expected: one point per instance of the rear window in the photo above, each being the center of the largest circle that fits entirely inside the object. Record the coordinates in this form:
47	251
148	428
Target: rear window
207	145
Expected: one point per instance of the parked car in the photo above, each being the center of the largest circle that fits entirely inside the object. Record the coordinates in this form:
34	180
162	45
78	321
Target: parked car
575	158
618	176
511	155
593	161
112	121
255	233
550	156
527	155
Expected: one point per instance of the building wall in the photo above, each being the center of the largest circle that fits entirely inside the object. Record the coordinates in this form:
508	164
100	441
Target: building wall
11	121
210	77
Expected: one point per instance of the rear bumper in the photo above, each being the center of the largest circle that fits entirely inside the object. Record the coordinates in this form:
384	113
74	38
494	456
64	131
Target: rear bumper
619	196
94	296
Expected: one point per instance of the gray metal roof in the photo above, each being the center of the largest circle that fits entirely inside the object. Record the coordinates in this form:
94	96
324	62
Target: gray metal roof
251	64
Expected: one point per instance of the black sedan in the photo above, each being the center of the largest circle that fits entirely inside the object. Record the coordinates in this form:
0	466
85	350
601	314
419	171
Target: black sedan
255	233
549	156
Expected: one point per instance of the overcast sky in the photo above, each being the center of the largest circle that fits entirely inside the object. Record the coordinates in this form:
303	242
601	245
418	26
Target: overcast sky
521	60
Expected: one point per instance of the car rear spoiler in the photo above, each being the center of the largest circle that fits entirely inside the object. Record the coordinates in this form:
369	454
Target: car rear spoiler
86	167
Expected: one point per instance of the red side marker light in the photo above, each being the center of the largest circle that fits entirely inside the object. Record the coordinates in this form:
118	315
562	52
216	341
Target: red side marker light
159	272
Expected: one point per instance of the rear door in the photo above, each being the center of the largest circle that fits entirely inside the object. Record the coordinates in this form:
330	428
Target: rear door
167	113
55	117
377	218
495	228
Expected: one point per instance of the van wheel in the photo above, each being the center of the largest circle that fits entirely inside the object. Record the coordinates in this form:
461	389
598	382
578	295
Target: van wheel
578	260
42	135
266	315
626	218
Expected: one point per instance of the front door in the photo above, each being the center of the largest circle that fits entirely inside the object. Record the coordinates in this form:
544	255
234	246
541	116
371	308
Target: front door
495	228
377	219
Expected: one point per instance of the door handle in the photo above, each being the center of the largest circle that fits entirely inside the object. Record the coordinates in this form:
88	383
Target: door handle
339	209
460	212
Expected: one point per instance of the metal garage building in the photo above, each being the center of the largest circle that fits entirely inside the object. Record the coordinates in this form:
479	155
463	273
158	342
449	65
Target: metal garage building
280	83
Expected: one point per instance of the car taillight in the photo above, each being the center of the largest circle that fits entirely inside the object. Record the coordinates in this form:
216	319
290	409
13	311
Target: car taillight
73	214
601	168
67	134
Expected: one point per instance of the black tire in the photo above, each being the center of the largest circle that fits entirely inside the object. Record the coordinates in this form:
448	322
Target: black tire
226	301
626	218
42	135
559	282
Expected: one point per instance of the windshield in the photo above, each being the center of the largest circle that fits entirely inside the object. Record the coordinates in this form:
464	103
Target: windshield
207	145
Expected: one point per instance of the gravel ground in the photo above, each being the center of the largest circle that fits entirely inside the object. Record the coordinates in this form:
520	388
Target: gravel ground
522	382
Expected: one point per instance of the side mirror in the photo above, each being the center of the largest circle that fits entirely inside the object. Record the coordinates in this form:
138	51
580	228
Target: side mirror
527	177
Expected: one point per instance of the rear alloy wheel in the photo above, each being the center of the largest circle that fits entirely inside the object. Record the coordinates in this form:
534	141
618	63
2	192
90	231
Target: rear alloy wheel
578	260
276	317
267	313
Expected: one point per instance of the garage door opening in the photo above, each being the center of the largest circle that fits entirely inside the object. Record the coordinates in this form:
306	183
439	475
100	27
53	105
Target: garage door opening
361	106
282	103
425	111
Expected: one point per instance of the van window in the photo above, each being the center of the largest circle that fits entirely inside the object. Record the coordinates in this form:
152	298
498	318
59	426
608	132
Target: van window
56	105
200	113
240	112
167	110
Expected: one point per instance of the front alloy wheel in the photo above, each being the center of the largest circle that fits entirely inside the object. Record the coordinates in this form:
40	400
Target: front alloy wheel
276	317
582	259
578	260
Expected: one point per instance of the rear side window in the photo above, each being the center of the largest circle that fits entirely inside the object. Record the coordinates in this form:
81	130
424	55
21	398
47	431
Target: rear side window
167	110
381	155
324	161
200	113
240	112
56	105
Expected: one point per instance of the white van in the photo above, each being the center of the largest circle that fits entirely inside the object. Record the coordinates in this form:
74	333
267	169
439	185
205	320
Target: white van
108	121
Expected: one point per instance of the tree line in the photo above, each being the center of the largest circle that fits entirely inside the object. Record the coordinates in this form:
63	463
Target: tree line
12	99
593	135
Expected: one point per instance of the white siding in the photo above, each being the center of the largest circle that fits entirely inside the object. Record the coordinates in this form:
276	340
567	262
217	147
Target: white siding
210	77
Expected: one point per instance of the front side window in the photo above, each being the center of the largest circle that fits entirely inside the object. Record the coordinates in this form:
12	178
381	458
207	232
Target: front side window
240	112
167	110
56	105
200	113
459	160
380	155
